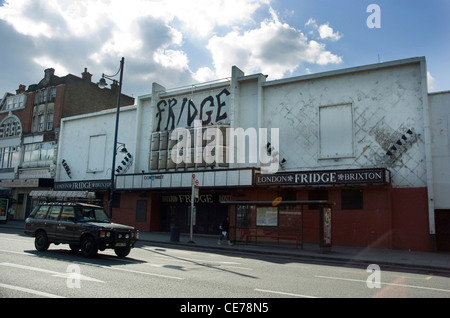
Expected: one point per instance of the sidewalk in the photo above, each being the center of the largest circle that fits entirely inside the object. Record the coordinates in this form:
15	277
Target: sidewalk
427	261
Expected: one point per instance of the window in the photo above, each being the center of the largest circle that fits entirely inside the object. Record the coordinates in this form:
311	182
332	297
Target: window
267	216
43	111
49	122
316	195
243	216
10	127
54	212
352	199
9	157
53	94
41	213
67	214
39	152
336	131
96	156
15	102
40	97
141	210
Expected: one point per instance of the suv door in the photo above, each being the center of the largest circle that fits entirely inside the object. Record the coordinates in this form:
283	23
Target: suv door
68	229
51	222
40	222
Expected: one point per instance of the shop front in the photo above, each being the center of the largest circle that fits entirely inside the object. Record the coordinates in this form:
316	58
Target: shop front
175	211
17	193
353	207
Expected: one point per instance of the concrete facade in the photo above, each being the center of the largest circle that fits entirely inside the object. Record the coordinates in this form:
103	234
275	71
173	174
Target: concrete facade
361	138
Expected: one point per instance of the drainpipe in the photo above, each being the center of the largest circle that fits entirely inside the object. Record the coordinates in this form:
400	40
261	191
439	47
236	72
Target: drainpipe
428	154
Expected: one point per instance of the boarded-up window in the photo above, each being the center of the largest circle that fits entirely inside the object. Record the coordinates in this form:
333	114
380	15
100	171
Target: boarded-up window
141	210
96	159
336	131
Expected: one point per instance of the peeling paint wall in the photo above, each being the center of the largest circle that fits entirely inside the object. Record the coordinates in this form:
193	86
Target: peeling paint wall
387	118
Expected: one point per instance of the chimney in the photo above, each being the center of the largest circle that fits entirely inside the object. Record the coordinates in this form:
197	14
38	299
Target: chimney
49	73
115	86
86	76
21	89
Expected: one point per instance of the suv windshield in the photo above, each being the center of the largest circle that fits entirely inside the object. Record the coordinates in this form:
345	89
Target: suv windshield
91	214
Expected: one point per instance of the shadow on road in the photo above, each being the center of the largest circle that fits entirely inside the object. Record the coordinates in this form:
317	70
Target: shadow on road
68	255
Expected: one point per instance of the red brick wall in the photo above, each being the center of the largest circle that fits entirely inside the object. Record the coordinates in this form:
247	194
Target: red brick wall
410	224
126	214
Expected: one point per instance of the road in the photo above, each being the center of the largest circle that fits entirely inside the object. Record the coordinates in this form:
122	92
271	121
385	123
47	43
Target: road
168	271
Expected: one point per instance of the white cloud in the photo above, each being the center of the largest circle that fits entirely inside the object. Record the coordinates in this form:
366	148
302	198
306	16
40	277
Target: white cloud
171	59
204	74
153	35
274	48
324	30
15	13
327	32
431	82
47	62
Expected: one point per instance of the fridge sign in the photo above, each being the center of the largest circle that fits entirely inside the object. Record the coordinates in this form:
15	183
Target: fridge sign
329	177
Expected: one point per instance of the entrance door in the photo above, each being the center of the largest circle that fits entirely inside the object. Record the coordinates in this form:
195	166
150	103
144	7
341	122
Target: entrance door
442	221
209	217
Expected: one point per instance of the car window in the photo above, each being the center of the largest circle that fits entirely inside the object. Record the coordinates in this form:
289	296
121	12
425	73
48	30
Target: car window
67	214
54	212
91	214
41	212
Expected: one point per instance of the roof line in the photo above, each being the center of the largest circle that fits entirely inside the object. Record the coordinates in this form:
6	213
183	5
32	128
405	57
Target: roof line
344	71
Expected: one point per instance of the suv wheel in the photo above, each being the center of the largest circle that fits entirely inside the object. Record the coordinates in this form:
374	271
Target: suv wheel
88	247
74	247
122	252
41	241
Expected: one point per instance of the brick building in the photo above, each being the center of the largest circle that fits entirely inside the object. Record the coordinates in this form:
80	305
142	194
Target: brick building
29	130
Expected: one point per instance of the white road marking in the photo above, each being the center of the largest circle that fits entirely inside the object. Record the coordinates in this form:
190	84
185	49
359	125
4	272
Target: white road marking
14	252
282	293
53	273
132	271
30	291
56	274
390	284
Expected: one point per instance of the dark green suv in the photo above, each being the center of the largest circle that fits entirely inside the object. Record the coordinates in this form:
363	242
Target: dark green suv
84	227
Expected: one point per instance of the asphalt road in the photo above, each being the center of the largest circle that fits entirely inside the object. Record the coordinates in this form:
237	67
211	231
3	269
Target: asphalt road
195	276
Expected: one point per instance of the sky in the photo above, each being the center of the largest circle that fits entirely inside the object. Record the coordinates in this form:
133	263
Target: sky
178	43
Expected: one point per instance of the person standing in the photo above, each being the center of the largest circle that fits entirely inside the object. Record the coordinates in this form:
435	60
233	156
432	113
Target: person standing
225	228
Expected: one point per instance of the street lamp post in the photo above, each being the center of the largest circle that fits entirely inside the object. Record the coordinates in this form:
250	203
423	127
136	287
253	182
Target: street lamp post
102	84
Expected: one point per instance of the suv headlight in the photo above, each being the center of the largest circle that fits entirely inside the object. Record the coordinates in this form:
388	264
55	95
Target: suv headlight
104	233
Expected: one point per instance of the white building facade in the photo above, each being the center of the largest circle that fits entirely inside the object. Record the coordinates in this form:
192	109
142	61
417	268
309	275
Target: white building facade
358	138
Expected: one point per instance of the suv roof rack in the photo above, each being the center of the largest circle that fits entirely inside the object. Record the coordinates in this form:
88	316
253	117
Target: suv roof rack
64	196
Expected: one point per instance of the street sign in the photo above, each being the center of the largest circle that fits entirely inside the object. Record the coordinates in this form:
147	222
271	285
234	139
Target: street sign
196	193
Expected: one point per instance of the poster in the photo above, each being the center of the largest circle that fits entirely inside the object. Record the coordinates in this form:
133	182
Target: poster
4	209
327	227
267	216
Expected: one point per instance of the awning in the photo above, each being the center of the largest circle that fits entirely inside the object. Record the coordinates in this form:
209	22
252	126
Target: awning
62	194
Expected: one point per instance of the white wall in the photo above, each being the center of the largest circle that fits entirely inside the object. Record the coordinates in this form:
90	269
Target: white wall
379	104
386	101
440	147
75	136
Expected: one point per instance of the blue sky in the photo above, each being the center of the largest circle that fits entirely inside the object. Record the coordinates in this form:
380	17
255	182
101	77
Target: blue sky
182	42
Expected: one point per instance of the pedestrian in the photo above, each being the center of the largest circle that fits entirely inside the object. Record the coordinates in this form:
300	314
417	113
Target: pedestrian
224	228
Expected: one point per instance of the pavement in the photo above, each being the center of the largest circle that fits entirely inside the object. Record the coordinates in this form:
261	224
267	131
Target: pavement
424	261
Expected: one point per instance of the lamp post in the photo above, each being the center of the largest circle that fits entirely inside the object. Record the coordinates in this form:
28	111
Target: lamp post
102	84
